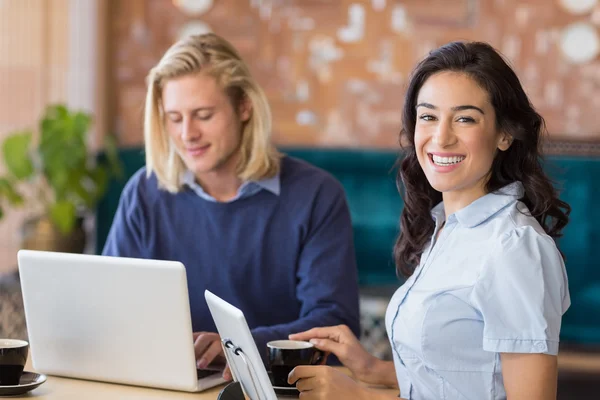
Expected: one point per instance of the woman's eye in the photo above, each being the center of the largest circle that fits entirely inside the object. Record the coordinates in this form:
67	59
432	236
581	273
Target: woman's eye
466	119
427	117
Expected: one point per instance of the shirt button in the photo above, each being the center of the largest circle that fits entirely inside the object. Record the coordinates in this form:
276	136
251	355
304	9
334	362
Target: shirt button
541	346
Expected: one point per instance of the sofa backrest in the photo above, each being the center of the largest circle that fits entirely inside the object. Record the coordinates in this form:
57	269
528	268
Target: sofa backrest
578	180
368	177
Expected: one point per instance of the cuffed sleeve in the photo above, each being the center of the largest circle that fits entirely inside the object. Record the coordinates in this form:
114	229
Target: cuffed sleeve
522	293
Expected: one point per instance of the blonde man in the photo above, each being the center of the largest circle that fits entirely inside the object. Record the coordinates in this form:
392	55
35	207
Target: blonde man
269	233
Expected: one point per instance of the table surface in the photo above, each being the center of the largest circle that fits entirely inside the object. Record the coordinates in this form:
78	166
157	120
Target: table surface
56	388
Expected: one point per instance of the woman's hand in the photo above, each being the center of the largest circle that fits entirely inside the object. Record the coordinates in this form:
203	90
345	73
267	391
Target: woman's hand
340	341
321	382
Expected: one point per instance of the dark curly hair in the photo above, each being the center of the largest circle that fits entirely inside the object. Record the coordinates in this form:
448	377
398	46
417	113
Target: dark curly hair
521	162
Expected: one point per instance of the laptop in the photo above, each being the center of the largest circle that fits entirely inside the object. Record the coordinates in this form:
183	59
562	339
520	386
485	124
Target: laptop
242	354
111	319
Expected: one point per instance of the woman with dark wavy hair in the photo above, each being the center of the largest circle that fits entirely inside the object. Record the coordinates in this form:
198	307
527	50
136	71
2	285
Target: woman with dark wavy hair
479	315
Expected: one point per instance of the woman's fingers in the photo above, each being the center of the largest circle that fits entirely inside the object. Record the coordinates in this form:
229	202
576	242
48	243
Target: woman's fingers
337	333
325	332
329	346
302	372
306	384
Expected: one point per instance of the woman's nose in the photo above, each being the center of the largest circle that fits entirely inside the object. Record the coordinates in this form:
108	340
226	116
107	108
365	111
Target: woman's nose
444	135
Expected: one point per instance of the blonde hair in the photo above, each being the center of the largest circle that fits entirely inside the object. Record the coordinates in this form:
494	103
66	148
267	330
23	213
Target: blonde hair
215	56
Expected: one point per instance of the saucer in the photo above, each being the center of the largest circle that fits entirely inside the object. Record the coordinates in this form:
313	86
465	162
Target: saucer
28	381
293	388
286	391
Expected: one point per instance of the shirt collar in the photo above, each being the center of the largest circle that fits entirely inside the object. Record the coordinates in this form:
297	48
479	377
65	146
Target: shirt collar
271	184
484	207
437	213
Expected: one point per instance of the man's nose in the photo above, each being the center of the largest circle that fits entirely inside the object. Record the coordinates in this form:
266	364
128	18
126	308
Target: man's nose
189	132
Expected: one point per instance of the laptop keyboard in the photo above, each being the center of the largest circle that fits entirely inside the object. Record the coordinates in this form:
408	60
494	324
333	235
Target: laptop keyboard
203	373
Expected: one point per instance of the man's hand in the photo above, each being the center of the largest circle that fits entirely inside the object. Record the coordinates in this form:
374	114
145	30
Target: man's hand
207	346
208	349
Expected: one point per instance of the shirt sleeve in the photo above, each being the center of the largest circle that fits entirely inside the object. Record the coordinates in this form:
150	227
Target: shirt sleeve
327	277
522	293
125	236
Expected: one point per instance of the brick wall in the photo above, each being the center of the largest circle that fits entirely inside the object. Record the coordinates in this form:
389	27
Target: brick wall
335	70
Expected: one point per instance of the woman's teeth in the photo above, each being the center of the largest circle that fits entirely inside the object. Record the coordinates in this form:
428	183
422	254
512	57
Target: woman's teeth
445	161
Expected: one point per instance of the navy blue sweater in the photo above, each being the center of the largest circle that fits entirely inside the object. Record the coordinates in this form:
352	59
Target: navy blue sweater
287	261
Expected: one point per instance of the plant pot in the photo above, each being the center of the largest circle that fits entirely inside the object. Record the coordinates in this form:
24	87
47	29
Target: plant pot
39	233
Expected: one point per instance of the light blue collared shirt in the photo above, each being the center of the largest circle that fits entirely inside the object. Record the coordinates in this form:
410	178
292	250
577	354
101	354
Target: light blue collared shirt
247	189
493	282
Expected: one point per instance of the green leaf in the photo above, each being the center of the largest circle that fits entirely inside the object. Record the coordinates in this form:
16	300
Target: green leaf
8	191
81	188
81	124
84	195
89	187
63	216
62	141
1	212
58	181
57	112
15	150
61	159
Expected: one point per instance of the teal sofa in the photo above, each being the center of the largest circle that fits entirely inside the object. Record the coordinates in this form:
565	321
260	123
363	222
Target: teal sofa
368	177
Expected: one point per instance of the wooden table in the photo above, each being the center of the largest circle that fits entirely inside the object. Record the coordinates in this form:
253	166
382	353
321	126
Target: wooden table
56	388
